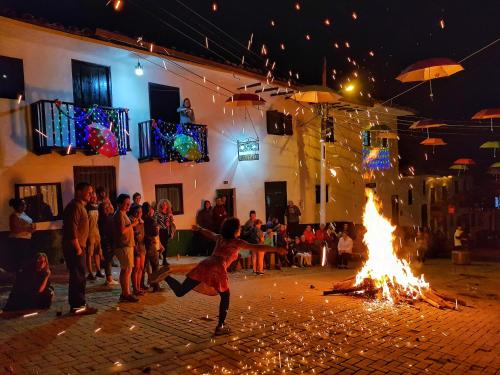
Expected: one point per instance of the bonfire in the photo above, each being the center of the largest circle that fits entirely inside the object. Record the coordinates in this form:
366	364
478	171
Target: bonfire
384	276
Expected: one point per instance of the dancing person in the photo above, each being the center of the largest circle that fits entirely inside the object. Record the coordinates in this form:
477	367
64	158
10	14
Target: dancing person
257	237
210	275
135	213
186	112
75	233
123	234
136	199
165	220
345	249
32	289
94	250
105	223
219	214
21	228
152	244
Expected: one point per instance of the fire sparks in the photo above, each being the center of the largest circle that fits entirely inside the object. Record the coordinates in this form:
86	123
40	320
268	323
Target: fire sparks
388	273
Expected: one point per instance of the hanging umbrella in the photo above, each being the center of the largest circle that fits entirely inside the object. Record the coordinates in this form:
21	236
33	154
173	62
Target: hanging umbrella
245	100
316	94
495	165
459	167
426	124
489	113
464	161
102	140
433	142
491	144
387	135
427	70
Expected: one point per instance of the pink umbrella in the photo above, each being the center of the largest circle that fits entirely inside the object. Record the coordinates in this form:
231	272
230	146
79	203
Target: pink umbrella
102	140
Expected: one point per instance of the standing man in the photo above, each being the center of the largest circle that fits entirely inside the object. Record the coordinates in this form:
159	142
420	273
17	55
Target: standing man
345	249
123	233
75	235
292	215
457	238
219	214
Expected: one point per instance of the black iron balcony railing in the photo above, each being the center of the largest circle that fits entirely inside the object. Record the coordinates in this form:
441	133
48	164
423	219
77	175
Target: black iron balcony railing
60	126
165	142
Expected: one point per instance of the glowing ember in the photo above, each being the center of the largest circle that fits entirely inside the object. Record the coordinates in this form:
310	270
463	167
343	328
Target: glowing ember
388	273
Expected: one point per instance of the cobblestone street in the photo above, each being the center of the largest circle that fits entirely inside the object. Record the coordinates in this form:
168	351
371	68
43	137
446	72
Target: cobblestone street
281	323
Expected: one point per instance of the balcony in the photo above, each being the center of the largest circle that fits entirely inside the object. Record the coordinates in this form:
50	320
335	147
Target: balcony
166	142
60	126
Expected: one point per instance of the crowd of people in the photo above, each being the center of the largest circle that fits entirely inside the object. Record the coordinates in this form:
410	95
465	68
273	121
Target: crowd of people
95	233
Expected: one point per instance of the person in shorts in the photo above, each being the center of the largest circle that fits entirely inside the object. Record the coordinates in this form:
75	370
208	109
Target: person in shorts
123	233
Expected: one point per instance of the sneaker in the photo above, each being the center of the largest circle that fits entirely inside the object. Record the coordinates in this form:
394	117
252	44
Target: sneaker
260	273
99	274
159	275
157	289
139	293
294	266
110	283
90	277
224	330
129	298
84	310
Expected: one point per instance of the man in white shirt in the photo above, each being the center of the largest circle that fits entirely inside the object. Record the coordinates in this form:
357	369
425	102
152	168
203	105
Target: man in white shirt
457	238
345	250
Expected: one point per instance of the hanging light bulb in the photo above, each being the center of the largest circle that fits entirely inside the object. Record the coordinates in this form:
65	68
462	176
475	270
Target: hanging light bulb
138	69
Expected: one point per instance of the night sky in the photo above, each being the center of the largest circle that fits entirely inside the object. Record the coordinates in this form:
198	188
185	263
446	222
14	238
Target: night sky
398	33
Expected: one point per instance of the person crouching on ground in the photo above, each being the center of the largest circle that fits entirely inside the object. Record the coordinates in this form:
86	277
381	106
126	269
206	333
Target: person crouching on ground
210	276
123	230
135	214
345	249
32	289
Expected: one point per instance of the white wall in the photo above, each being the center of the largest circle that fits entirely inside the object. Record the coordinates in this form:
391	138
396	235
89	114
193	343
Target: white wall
47	58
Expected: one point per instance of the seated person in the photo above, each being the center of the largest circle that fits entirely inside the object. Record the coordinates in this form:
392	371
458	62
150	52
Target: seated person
345	250
32	289
282	240
309	235
303	256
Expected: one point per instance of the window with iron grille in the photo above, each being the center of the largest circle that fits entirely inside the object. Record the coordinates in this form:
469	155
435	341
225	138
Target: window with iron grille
43	200
172	192
101	176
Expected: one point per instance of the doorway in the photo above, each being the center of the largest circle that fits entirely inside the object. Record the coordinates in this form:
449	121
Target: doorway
97	177
230	195
395	209
91	84
276	200
423	214
163	103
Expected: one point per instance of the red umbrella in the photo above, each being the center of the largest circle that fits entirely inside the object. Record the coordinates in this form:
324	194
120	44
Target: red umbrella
245	100
464	161
489	113
102	140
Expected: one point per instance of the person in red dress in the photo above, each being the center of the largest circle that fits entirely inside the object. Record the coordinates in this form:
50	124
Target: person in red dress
210	275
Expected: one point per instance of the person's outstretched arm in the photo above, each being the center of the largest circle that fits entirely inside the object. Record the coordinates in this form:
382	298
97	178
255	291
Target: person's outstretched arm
265	248
205	232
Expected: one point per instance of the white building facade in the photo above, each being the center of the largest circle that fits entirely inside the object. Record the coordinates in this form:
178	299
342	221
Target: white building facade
47	61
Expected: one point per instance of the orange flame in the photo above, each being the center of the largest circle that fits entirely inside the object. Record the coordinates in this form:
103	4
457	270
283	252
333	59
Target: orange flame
383	267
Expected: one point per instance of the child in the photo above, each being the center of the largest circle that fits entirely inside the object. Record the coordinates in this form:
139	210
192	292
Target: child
139	249
210	276
257	237
32	289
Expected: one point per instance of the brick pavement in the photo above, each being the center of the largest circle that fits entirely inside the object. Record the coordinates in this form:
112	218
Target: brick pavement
281	324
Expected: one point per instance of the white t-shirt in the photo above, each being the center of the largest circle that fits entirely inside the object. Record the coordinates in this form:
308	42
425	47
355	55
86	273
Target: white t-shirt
345	245
456	238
